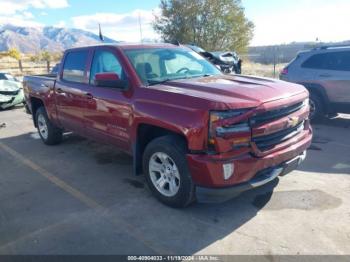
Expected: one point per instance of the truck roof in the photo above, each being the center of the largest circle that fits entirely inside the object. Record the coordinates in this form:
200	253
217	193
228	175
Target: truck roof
127	45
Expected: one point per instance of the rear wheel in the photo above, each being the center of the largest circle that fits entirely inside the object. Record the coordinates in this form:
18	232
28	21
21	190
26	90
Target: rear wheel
50	134
167	173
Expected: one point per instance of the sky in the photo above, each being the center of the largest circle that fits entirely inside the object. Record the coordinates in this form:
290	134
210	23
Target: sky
276	21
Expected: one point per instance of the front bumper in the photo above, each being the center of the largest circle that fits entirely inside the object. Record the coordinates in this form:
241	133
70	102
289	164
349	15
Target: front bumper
211	195
13	100
207	170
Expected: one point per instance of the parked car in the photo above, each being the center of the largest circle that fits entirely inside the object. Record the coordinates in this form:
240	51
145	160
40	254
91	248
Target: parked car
194	132
11	91
7	76
228	62
55	69
325	72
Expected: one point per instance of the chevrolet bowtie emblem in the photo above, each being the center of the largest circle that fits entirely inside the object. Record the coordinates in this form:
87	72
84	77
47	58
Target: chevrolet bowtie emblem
293	121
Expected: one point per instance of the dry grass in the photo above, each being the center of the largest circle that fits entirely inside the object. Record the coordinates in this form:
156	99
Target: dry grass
251	68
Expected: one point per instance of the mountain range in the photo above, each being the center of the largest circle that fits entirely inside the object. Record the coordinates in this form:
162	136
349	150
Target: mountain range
53	39
32	40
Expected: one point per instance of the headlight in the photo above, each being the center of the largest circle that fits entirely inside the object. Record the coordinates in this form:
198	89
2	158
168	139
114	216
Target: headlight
5	99
239	134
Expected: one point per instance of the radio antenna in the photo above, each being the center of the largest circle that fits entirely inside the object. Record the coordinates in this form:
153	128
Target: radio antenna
100	33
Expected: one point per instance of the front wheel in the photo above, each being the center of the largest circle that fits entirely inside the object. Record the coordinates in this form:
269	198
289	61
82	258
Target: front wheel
167	173
50	134
316	107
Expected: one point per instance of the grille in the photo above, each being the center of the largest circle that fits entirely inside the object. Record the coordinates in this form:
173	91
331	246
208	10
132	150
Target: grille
276	114
269	141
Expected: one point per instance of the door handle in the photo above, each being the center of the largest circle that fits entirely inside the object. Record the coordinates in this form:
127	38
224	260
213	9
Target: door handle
325	75
89	96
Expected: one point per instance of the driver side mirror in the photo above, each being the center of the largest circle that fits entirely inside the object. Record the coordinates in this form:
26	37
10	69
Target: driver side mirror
111	80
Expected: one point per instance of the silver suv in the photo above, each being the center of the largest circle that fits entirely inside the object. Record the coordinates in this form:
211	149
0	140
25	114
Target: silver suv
325	72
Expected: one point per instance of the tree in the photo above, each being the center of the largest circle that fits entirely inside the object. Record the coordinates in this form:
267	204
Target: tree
210	24
56	56
14	53
46	56
34	58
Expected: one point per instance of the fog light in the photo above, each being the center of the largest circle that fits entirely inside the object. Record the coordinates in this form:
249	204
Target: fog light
302	157
228	170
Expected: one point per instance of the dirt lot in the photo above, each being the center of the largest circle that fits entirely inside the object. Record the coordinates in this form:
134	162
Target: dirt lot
80	197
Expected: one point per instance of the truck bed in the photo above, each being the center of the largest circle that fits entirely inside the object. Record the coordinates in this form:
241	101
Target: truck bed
43	76
36	82
38	86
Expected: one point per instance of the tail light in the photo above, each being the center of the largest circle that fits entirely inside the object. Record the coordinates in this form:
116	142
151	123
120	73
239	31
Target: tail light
284	71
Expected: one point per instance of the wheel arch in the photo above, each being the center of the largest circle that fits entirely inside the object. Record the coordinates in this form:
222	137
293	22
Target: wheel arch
145	133
320	91
35	104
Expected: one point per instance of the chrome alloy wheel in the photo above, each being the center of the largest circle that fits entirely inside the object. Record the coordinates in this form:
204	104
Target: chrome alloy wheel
164	174
42	126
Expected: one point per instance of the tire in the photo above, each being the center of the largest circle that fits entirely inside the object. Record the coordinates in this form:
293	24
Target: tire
50	134
317	111
167	154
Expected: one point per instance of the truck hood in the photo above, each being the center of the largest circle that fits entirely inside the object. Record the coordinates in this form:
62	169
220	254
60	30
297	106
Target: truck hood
233	90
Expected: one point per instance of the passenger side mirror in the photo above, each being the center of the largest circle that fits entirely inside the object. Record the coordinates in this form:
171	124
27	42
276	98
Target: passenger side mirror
111	80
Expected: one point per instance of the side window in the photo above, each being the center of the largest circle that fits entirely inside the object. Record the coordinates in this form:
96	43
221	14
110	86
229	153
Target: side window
74	66
339	61
105	62
315	62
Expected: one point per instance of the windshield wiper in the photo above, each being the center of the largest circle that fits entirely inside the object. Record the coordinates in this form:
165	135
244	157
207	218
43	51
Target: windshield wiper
155	82
196	76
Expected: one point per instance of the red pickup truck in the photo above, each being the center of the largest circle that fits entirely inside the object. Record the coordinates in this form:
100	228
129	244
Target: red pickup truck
194	132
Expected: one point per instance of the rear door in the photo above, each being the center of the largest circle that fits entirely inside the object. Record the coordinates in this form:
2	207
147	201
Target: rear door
71	90
109	113
332	71
337	78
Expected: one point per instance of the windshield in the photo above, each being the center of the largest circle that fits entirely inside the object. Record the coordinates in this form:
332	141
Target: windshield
10	77
4	76
156	65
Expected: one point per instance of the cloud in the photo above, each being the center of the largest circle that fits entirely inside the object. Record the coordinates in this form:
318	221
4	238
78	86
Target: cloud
123	27
305	21
9	7
27	15
60	24
15	11
18	20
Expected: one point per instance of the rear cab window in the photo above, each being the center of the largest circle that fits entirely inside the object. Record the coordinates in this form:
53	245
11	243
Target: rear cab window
75	65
